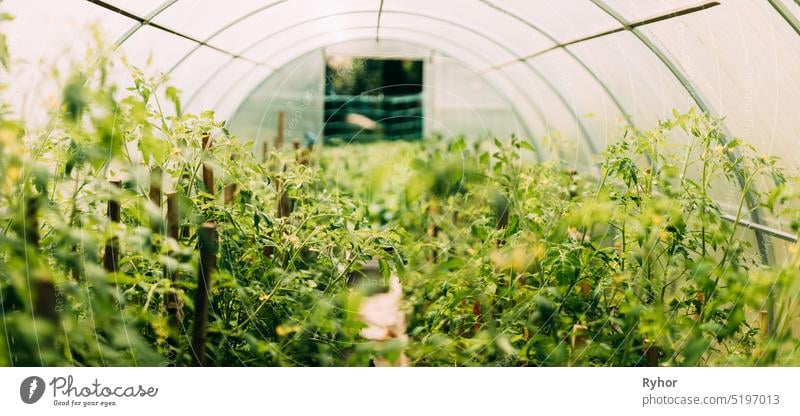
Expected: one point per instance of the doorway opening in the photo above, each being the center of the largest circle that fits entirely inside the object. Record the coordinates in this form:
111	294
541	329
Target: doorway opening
370	99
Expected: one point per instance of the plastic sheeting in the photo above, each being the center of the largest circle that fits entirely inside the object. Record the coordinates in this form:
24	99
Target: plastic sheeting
572	72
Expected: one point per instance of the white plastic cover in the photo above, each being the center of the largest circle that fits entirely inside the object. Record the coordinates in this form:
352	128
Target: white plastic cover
569	71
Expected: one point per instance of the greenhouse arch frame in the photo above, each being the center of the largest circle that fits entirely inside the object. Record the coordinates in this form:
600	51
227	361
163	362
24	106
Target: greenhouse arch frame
519	41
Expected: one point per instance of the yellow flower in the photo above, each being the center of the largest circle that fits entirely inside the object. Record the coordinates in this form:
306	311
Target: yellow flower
262	297
13	173
283	331
160	330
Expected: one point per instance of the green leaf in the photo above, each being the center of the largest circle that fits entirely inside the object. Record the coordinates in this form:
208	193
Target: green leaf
4	54
524	144
173	95
73	98
154	149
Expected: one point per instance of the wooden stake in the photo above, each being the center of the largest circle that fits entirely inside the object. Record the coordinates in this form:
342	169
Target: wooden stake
207	243
433	230
303	153
75	266
31	232
173	216
208	173
268	250
230	193
156	180
111	253
75	269
763	319
279	139
284	203
764	324
44	305
296	146
651	353
173	302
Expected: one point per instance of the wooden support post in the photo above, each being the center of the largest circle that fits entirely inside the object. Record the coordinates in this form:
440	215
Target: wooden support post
173	301
652	353
764	326
279	138
433	230
31	229
207	244
502	221
763	319
156	181
173	216
75	268
284	203
230	193
111	253
476	311
302	154
208	173
44	304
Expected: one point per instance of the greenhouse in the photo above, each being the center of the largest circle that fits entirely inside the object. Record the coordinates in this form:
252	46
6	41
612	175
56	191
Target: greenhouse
399	183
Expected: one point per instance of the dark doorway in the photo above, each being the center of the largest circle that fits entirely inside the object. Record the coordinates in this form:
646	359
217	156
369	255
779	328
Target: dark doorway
372	99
